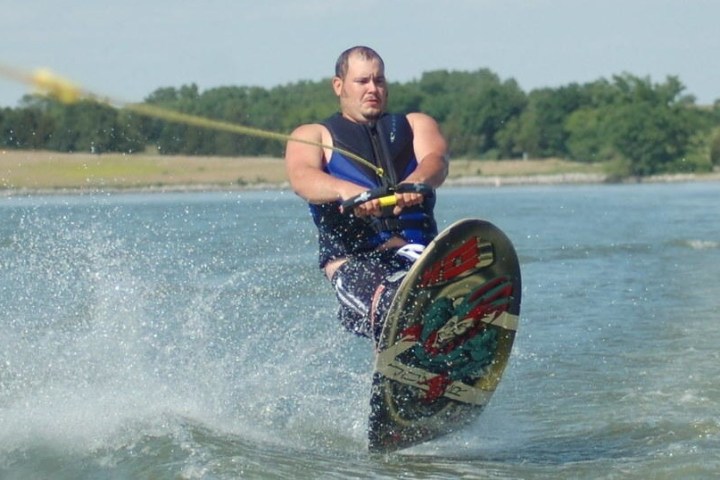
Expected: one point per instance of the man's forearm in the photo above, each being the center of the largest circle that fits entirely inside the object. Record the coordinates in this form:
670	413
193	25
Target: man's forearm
432	170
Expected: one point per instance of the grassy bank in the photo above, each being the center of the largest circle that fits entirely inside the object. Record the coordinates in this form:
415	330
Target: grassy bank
51	170
41	170
460	168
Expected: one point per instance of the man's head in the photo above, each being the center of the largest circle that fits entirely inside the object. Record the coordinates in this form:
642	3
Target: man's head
360	85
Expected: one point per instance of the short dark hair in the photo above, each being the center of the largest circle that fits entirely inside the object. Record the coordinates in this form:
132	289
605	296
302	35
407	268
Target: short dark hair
341	66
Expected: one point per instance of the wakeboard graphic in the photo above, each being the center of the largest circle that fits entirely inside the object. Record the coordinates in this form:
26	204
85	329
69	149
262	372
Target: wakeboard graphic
447	337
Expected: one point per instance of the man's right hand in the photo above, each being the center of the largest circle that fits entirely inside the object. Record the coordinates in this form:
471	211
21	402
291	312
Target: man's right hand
372	202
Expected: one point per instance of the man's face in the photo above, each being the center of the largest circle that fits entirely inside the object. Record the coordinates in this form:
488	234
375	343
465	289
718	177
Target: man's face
363	91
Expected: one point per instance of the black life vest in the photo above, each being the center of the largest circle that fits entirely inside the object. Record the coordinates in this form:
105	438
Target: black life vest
388	143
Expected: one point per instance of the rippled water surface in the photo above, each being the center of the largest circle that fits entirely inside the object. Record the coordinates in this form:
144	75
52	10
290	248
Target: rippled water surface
191	336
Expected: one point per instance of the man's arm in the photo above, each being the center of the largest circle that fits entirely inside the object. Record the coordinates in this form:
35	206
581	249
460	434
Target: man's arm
431	152
430	149
304	166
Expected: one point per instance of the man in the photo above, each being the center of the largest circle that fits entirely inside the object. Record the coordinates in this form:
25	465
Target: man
365	252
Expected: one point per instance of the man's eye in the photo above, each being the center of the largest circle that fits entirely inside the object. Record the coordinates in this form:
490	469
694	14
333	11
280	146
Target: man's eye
363	81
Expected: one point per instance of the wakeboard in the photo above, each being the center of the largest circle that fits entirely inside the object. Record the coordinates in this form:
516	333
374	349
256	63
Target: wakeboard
447	337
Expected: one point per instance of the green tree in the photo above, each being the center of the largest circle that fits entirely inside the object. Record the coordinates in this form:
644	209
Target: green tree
26	127
588	139
86	126
171	137
405	98
438	91
128	133
644	127
472	108
541	129
650	125
714	147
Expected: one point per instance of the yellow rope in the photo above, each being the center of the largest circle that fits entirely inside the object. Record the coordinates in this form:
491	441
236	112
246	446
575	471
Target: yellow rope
65	91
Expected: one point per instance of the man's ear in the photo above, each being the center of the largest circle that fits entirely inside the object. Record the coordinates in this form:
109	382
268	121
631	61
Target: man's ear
337	85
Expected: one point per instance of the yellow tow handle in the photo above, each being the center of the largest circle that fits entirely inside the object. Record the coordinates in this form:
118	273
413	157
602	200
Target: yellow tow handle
388	201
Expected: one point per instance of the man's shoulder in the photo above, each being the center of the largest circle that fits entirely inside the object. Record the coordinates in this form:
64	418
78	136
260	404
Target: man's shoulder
309	135
311	129
419	120
418	116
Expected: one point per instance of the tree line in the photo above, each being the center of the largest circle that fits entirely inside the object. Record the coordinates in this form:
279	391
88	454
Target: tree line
630	123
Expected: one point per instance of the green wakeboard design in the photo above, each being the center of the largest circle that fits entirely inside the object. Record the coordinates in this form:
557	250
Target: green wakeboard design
447	337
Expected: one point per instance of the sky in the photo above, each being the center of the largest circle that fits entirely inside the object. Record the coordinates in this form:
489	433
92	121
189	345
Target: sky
127	49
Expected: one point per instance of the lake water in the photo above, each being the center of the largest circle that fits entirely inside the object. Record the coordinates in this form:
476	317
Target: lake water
190	335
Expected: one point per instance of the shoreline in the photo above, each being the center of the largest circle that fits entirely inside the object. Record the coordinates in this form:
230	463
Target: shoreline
470	181
24	173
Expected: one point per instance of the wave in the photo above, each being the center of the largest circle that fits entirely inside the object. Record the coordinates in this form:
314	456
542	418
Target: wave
696	244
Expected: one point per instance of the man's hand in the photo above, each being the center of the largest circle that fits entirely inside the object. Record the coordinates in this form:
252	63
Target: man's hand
407	199
353	198
372	202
